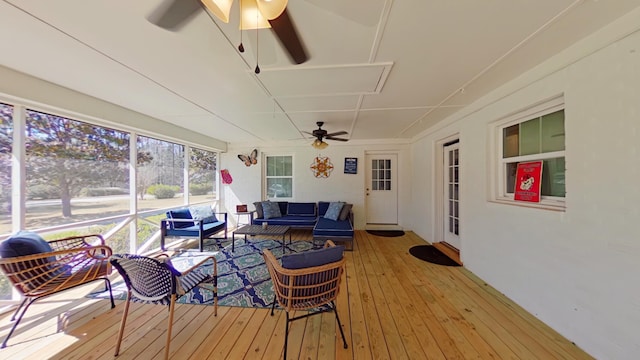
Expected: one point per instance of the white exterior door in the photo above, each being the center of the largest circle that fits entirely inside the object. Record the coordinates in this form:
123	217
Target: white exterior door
452	195
382	189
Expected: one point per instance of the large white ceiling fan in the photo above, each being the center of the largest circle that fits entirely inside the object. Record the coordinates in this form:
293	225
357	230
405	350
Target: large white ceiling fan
255	14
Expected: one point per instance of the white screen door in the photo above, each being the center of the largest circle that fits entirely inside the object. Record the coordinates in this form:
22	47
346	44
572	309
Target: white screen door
452	195
381	190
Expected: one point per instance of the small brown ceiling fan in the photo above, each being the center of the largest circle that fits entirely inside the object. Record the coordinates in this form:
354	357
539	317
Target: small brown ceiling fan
320	134
173	14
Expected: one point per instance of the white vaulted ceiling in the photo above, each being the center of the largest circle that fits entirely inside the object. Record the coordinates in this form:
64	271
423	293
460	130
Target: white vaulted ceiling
379	69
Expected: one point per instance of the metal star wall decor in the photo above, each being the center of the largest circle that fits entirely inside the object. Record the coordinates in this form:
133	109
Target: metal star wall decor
321	167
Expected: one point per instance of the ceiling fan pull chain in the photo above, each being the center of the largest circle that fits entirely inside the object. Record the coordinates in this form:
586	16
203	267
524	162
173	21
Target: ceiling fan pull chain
241	47
257	44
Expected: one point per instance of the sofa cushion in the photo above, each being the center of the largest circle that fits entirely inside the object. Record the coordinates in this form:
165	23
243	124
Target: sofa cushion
344	213
328	228
180	214
271	210
301	209
322	207
313	258
204	213
333	212
258	206
289	220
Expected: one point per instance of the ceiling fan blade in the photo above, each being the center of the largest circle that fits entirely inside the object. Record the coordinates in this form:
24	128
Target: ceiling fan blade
335	138
338	133
173	14
286	32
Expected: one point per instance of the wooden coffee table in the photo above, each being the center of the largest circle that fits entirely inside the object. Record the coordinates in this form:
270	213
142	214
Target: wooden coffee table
274	230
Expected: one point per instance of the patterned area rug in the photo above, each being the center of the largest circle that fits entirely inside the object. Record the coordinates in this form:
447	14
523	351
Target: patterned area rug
243	279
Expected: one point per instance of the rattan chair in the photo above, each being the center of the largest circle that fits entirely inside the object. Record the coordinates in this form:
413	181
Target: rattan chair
73	261
156	281
313	289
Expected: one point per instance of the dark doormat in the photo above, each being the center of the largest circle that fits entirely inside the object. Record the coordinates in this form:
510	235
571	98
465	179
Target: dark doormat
431	254
386	233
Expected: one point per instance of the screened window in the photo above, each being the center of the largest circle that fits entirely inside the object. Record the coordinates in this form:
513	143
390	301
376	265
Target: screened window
6	142
535	137
279	176
160	173
202	175
74	170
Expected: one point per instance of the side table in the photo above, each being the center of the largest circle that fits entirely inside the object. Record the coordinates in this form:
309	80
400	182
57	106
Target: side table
249	215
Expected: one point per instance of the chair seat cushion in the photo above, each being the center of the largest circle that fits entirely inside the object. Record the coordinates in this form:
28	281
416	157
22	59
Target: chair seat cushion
193	230
327	228
313	258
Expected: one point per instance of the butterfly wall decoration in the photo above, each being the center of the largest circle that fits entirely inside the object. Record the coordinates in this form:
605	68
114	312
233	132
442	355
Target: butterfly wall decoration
250	159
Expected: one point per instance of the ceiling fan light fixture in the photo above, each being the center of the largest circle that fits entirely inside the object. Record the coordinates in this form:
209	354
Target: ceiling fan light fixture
319	144
271	9
251	18
219	8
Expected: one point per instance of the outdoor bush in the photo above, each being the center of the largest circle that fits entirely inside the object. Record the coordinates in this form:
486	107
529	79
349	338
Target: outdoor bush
103	191
200	189
161	191
43	192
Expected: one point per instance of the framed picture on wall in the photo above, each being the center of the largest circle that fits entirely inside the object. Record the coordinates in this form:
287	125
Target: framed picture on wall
350	165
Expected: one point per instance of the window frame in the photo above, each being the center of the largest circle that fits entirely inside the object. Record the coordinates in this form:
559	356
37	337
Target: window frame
499	163
265	177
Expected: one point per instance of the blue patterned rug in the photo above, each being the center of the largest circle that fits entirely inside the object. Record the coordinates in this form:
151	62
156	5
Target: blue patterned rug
243	279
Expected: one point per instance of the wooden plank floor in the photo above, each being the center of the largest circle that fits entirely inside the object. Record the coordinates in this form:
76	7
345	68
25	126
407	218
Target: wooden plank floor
392	306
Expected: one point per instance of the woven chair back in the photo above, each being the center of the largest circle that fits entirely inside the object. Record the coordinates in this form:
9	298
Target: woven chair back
147	278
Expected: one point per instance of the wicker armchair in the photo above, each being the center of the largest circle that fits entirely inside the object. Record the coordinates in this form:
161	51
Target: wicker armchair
156	281
52	266
308	281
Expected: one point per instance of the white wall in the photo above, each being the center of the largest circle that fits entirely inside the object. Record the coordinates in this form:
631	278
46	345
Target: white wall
576	270
247	181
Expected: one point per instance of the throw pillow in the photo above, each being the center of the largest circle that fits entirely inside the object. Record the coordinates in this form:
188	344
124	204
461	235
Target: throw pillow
333	212
312	258
38	271
344	213
271	210
24	243
259	212
204	213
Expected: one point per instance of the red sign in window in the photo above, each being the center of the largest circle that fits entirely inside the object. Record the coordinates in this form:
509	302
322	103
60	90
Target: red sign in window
528	181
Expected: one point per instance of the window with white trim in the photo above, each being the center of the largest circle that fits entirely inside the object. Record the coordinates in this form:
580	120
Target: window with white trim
535	134
279	176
